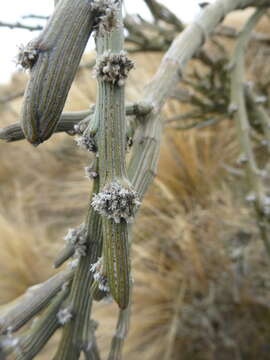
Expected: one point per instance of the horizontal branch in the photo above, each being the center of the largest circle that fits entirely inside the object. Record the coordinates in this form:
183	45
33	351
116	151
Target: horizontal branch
68	120
33	16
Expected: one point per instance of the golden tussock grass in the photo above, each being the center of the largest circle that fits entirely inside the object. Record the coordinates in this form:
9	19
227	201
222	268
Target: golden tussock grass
26	256
201	283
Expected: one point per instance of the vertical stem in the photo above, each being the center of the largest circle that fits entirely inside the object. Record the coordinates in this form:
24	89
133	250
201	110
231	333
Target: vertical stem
260	114
113	129
241	118
121	332
111	108
80	298
116	201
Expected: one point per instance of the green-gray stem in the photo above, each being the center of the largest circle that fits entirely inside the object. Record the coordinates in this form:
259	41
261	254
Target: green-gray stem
68	120
53	59
26	345
111	69
80	300
260	113
238	104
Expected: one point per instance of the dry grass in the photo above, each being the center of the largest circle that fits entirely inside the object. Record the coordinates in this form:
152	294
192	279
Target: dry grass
26	256
195	285
201	289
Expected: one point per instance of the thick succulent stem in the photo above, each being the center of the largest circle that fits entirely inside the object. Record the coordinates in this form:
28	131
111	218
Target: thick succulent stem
53	58
69	120
120	335
80	299
90	348
116	201
26	345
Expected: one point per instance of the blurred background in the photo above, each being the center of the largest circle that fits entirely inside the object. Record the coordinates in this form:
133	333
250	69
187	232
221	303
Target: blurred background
201	271
14	11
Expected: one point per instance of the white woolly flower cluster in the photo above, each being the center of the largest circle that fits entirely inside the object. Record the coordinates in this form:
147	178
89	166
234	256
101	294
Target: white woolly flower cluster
64	316
73	264
90	172
81	126
99	276
86	142
9	341
266	205
77	237
232	108
106	18
116	202
113	68
27	56
251	197
242	159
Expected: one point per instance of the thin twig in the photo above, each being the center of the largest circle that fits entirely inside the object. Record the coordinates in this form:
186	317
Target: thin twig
34	16
197	125
68	120
18	25
161	12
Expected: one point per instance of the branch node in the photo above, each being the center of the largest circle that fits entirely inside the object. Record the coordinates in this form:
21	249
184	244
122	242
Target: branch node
232	108
80	127
99	276
77	238
74	236
90	172
106	18
27	55
113	68
116	202
86	142
64	316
